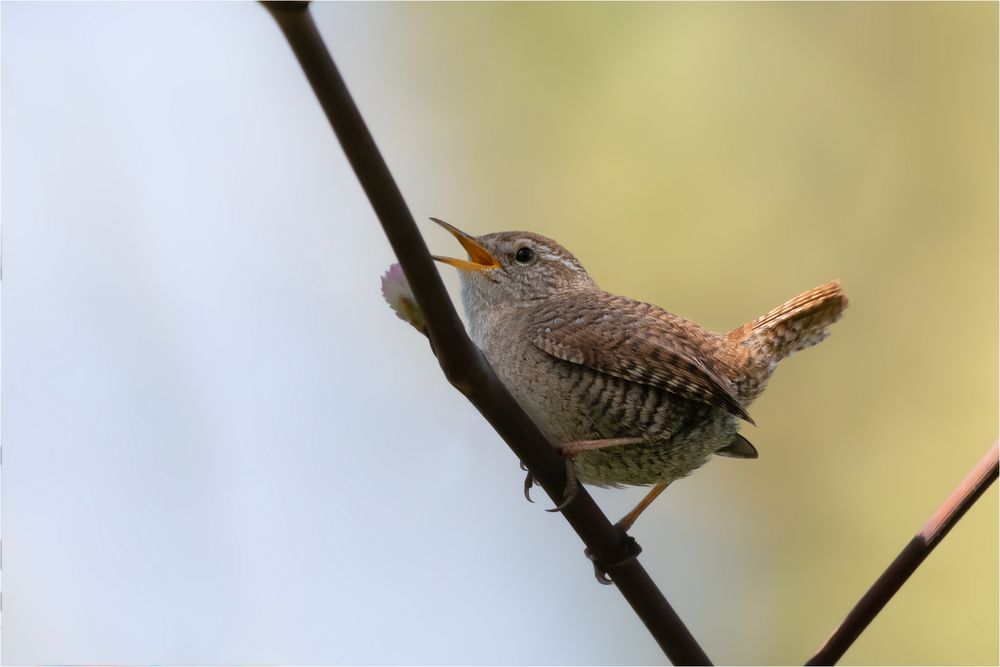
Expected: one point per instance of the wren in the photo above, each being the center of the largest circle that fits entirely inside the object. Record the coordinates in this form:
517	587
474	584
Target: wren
632	394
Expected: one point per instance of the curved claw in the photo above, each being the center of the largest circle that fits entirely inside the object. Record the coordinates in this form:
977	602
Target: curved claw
599	572
528	482
563	505
572	486
602	576
523	467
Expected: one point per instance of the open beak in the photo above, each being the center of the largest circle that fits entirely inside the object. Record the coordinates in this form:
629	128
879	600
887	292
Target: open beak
480	258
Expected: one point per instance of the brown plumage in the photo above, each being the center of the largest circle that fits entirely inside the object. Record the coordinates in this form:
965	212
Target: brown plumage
588	365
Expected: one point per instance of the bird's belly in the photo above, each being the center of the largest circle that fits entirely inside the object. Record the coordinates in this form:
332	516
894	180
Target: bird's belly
572	402
662	460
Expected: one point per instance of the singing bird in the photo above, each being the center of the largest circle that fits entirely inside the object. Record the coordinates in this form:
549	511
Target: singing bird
632	394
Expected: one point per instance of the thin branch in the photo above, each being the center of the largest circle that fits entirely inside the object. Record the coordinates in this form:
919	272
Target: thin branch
909	559
462	363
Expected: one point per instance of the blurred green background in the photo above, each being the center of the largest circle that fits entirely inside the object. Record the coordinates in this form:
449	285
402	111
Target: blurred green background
716	159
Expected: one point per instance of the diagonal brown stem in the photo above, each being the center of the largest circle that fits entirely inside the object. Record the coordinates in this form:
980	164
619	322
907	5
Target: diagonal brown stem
909	559
462	363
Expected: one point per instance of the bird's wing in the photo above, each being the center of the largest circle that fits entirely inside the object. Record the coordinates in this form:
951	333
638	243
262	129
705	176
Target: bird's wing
634	341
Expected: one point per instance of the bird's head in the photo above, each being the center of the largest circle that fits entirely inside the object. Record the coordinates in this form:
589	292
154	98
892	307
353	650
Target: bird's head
511	268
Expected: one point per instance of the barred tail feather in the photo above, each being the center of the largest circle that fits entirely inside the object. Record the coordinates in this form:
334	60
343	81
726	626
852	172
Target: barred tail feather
794	325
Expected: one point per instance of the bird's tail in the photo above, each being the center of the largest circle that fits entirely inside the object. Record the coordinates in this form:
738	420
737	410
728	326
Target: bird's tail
795	325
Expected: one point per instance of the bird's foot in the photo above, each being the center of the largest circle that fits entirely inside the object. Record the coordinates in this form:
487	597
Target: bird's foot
601	570
572	486
569	491
570	451
573	449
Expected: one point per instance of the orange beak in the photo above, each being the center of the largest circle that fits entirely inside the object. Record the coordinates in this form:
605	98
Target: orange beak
480	258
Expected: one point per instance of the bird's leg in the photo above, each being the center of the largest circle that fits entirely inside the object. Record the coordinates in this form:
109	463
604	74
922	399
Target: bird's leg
571	488
625	523
570	451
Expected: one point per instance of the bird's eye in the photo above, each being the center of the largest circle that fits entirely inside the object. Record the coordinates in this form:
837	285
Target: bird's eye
524	255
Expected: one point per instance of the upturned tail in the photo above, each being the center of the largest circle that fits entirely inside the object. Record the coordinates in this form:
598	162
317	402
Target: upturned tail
795	325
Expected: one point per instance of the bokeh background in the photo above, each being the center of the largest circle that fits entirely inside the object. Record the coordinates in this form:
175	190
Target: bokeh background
220	446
